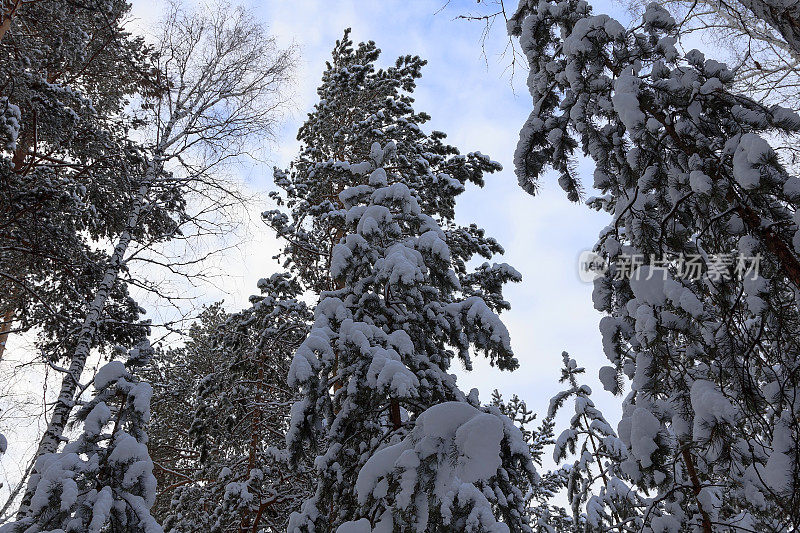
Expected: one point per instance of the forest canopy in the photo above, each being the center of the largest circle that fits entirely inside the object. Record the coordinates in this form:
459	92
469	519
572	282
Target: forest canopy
143	152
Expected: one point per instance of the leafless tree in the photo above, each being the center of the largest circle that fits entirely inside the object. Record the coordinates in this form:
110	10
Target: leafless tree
493	15
224	79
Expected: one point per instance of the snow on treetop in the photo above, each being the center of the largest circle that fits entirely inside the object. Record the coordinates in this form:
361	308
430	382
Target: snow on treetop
647	284
751	152
109	373
459	444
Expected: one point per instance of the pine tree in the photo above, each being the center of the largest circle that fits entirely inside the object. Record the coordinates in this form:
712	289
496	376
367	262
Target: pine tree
370	223
103	480
66	165
688	176
544	515
599	459
755	37
383	341
360	105
241	479
460	468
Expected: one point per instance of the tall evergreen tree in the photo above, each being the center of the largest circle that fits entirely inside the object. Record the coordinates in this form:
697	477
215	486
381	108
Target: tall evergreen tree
66	166
710	427
360	105
176	374
371	199
66	169
385	342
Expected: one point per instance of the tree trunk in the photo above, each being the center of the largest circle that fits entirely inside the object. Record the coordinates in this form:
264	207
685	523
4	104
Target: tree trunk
338	285
697	487
10	8
255	438
26	139
69	384
5	328
772	241
394	410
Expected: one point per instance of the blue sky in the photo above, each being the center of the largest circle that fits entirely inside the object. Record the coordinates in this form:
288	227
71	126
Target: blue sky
473	100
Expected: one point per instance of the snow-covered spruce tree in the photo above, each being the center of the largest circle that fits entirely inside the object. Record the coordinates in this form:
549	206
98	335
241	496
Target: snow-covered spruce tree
223	76
103	480
687	175
242	479
377	359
